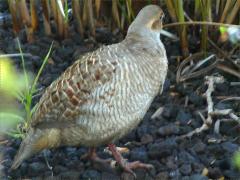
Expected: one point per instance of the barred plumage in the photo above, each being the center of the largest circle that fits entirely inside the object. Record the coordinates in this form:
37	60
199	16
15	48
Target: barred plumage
104	94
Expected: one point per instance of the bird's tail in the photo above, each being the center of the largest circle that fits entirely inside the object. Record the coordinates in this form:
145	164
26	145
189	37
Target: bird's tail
26	149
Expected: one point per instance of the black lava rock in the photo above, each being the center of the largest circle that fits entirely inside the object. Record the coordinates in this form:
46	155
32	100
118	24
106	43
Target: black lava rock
170	111
109	176
175	174
146	138
139	154
73	175
47	80
199	147
36	167
163	149
10	152
168	130
59	169
186	169
171	163
230	147
222	105
162	176
197	167
231	174
196	99
144	129
222	87
91	174
214	173
224	164
198	177
183	117
71	151
186	157
166	85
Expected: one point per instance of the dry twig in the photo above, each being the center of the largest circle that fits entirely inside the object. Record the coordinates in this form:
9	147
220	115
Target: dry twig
189	73
207	122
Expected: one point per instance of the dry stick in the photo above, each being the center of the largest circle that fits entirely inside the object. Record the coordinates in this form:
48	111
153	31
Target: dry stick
115	14
184	62
34	16
234	12
222	67
210	80
231	99
46	17
60	21
24	12
15	19
91	22
191	74
222	53
97	7
228	70
77	14
224	13
234	83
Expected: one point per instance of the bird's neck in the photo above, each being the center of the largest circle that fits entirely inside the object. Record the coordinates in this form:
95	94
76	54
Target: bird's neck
145	36
142	33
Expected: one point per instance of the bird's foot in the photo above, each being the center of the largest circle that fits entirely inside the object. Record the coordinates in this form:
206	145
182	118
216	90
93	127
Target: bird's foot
122	150
127	166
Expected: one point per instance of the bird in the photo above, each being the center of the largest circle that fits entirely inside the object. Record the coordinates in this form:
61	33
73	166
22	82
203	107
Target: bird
103	95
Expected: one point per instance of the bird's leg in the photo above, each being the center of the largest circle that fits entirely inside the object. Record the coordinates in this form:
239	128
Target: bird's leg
94	157
127	166
91	154
98	163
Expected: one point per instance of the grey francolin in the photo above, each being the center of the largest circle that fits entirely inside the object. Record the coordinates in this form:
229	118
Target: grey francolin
103	95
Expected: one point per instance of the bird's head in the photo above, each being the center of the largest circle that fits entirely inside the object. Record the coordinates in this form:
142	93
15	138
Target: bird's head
148	22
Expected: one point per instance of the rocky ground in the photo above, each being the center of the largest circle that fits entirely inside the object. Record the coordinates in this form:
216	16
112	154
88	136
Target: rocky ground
207	155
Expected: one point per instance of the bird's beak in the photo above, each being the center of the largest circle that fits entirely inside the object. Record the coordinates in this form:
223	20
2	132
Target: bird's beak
162	17
169	35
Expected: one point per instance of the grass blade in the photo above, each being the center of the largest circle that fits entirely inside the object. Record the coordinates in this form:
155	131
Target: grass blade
23	65
13	11
183	30
115	13
33	88
232	15
97	6
34	16
91	23
76	14
130	14
171	10
225	11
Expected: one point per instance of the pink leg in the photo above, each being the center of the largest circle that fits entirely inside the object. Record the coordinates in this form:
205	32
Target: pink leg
97	162
92	155
127	166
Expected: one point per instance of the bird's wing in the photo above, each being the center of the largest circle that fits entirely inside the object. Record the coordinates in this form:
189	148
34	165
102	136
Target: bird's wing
62	100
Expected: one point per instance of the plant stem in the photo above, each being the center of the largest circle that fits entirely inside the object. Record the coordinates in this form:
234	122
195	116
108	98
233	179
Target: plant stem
199	23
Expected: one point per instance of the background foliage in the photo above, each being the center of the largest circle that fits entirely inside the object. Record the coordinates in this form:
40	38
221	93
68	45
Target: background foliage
57	16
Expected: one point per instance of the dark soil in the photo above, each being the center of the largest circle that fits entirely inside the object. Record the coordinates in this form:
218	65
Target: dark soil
155	140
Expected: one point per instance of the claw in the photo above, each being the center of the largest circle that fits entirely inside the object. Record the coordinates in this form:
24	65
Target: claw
127	166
